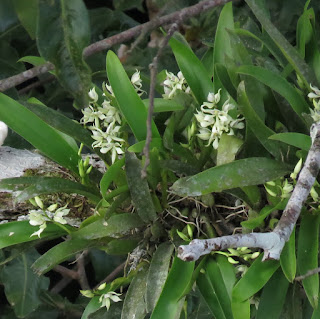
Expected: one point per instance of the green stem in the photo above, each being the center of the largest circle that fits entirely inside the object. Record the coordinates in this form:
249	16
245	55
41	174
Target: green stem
116	192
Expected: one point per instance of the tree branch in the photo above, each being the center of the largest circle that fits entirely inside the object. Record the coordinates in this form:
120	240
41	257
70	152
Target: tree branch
124	36
272	243
153	80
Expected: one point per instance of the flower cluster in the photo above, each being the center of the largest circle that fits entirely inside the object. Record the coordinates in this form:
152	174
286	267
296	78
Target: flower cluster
315	96
105	298
174	84
40	216
213	122
104	120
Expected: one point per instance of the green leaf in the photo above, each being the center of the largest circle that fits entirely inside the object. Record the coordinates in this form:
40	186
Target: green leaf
252	223
291	54
244	172
278	84
110	175
227	271
60	122
254	122
222	44
229	146
158	272
34	60
46	185
38	133
60	253
129	101
13	233
241	309
298	140
213	272
308	245
139	190
62	33
27	13
116	227
138	147
254	279
193	70
209	295
288	259
273	296
121	246
177	282
23	288
224	77
134	306
162	105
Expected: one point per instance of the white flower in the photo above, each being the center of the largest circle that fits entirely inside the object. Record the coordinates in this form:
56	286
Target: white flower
109	113
105	299
137	82
3	132
41	229
315	96
173	84
59	213
93	95
37	217
108	141
213	122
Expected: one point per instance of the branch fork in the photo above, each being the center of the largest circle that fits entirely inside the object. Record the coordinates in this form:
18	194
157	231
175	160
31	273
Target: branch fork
273	242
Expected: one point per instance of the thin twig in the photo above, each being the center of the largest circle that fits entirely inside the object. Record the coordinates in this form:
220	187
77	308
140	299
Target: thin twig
112	275
308	274
82	276
122	37
153	80
272	243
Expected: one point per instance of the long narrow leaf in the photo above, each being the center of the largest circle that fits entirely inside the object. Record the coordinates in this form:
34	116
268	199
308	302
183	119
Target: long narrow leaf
42	136
129	101
193	70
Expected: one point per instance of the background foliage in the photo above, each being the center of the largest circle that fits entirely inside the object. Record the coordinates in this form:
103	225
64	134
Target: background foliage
264	56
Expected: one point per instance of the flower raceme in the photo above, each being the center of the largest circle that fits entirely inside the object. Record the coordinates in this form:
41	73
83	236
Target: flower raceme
213	122
315	96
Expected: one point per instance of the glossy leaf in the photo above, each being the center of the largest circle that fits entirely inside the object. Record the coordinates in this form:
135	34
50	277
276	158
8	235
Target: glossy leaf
45	185
121	246
288	260
241	309
228	273
291	54
273	296
134	306
254	279
298	140
254	122
130	103
38	133
110	175
62	33
13	233
178	280
308	246
193	70
244	172
278	84
158	272
162	105
139	190
22	287
60	122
